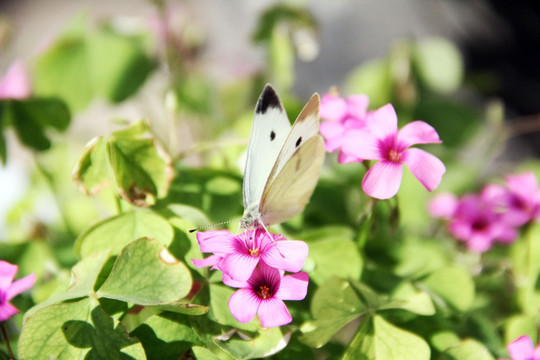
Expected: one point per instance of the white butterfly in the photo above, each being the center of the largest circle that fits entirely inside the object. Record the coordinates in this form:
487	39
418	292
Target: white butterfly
283	162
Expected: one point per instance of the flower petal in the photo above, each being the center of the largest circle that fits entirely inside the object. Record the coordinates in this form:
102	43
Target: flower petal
7	273
273	312
209	261
332	108
443	205
425	167
244	304
480	242
288	255
345	159
357	105
293	287
362	144
383	179
333	135
221	241
6	311
383	122
417	132
16	82
229	281
521	349
238	266
20	285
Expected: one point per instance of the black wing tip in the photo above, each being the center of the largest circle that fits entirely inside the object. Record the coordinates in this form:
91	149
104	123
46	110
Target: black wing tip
268	99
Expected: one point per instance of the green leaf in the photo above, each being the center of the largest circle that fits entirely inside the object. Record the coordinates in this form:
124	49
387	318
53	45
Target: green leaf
166	336
373	79
411	299
453	285
126	66
132	159
439	64
391	342
182	308
63	70
83	64
203	353
146	273
520	325
76	330
469	349
92	172
31	118
334	304
116	232
84	276
418	257
267	342
332	253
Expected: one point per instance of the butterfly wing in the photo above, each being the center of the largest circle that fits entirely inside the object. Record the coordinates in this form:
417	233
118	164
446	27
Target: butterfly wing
268	134
291	189
296	171
305	127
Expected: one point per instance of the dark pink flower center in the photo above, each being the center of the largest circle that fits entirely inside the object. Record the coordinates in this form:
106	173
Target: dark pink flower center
480	224
254	251
390	149
264	292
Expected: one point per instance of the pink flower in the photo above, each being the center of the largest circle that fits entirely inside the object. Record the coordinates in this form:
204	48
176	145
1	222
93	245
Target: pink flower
476	222
16	82
382	141
523	349
238	256
263	294
9	289
341	114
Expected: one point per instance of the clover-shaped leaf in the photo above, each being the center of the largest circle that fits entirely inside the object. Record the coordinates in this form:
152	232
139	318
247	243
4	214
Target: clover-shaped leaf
145	273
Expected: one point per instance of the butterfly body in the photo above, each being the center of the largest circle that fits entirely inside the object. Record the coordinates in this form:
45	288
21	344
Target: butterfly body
283	161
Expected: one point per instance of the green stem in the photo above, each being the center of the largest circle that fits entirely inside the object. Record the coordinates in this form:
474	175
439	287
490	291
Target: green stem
49	179
118	203
4	334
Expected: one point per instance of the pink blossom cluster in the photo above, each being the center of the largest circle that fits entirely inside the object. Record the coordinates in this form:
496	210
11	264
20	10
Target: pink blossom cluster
493	215
361	135
255	261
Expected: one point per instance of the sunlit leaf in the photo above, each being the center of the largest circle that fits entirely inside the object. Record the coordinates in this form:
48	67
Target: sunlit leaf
334	305
116	232
454	285
146	273
469	349
76	330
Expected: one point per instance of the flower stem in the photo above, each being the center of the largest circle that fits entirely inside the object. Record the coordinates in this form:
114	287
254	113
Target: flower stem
8	346
49	180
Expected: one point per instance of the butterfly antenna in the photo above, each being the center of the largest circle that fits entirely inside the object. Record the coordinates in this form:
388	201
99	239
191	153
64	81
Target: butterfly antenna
210	225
